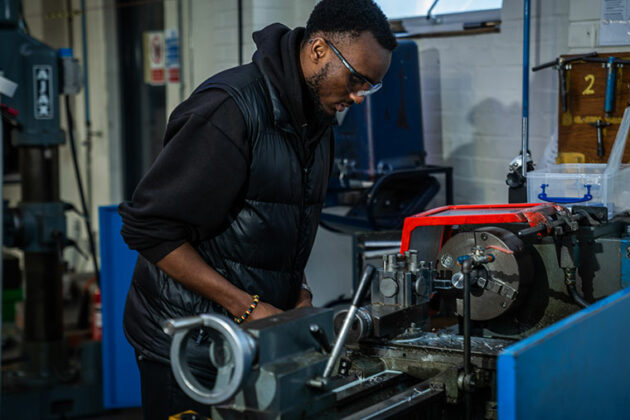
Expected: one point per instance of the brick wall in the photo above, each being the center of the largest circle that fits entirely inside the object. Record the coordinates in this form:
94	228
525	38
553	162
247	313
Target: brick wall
214	33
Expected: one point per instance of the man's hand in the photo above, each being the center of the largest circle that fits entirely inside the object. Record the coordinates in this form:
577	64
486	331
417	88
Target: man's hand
263	310
304	299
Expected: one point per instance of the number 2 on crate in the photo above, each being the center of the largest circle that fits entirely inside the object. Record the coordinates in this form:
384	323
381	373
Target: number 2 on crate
591	81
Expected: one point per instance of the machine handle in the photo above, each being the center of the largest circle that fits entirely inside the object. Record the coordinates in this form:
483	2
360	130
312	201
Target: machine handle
565	200
364	284
320	336
172	326
366	279
233	354
561	61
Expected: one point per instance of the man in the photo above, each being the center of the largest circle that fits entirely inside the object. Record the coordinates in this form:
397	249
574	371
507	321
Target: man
230	208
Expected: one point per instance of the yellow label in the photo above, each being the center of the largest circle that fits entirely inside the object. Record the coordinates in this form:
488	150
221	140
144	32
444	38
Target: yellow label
588	119
567	118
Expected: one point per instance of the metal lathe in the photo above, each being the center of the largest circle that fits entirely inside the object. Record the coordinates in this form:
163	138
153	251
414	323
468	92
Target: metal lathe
468	282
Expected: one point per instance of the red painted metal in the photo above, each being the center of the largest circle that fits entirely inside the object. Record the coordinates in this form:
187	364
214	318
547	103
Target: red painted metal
478	214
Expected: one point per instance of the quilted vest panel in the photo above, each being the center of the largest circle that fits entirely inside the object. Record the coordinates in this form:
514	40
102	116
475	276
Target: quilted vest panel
267	240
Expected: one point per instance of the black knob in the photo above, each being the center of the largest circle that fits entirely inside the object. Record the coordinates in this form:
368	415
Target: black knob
320	336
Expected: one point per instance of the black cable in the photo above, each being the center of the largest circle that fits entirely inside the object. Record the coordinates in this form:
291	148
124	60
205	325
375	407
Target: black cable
576	296
24	23
86	213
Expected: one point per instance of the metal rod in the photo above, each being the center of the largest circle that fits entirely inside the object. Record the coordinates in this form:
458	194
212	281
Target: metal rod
600	143
381	244
611	85
240	32
466	269
525	120
562	83
320	336
356	301
380	252
180	30
191	56
449	186
43	348
599	126
171	326
431	9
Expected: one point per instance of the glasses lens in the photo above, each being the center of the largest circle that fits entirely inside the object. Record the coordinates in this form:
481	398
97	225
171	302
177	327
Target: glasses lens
373	89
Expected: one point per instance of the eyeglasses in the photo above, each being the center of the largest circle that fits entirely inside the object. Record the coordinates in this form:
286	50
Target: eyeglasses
374	87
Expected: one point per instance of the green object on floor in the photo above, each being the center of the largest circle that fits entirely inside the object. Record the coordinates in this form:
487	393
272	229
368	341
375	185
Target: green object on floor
9	298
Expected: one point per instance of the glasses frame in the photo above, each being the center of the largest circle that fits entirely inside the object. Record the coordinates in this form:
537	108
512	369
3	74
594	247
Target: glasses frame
374	87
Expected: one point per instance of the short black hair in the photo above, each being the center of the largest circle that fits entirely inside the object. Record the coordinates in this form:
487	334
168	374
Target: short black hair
351	17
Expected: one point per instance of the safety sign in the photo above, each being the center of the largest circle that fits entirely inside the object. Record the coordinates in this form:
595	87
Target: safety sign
154	58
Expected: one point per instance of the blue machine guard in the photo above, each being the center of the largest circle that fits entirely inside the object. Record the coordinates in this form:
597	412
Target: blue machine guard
577	368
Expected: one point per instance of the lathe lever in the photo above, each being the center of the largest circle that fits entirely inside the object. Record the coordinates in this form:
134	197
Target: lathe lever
320	336
364	284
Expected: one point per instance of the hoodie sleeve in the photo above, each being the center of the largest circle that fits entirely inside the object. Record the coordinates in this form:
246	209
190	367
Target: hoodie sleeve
189	190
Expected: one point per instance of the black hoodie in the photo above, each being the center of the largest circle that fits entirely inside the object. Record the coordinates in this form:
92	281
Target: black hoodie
278	56
187	193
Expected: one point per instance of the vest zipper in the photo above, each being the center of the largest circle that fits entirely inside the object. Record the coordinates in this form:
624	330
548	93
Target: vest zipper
305	173
300	150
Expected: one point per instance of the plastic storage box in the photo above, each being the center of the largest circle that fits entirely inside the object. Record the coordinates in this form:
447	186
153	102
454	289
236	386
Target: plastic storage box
581	183
586	184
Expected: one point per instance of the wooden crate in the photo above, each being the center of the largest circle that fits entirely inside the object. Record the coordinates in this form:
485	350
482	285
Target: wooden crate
586	85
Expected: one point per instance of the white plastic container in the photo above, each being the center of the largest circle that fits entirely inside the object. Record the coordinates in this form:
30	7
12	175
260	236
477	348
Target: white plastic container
586	184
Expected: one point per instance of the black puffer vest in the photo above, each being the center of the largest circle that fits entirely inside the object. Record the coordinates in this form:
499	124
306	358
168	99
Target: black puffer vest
266	242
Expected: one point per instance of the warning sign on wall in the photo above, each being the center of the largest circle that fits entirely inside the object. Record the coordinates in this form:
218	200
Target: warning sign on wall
154	58
172	55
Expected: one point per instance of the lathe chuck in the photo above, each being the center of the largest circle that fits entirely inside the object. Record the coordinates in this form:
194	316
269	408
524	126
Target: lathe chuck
498	286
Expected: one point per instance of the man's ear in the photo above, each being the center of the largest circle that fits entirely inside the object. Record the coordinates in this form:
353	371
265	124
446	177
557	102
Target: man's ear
317	49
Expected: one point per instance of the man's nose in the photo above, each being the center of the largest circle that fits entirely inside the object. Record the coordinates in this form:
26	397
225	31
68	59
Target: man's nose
356	98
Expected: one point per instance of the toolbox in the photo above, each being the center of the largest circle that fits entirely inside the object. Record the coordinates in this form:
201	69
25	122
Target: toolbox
586	184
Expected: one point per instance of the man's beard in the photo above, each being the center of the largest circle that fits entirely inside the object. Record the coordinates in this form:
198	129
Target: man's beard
314	85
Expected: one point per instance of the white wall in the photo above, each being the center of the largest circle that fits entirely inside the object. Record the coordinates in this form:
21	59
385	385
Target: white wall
210	33
472	90
471	85
472	97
